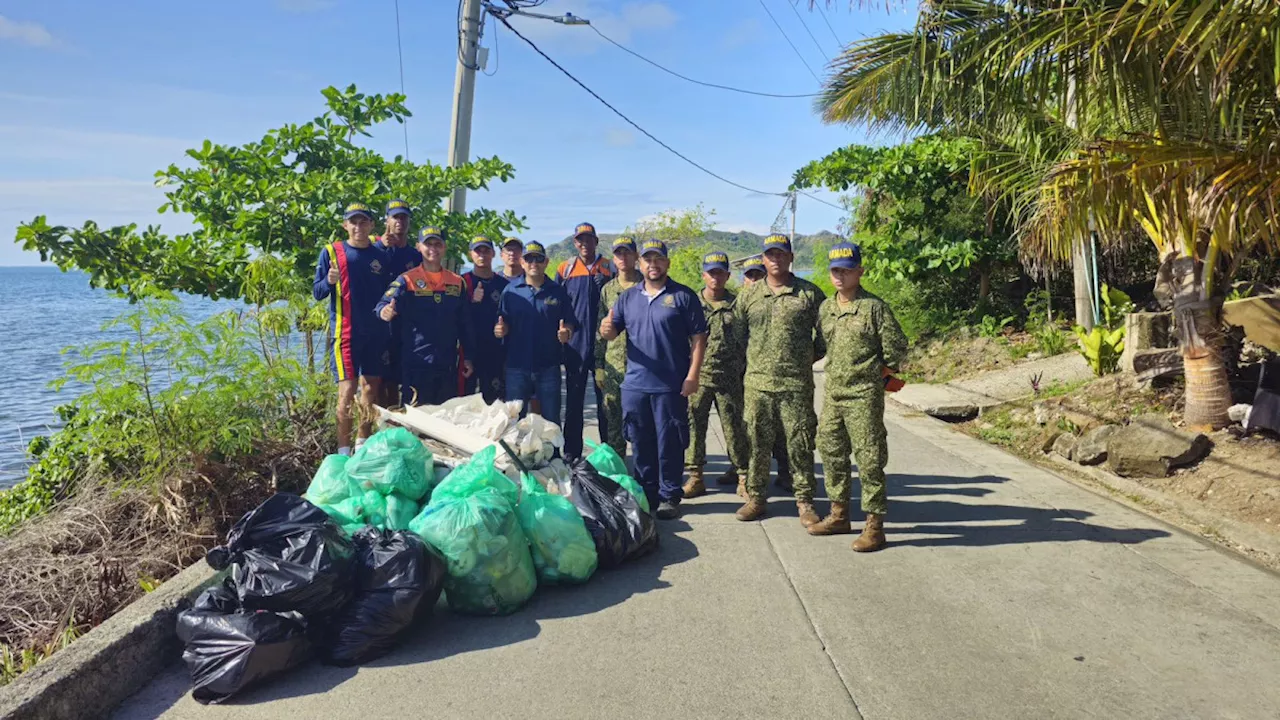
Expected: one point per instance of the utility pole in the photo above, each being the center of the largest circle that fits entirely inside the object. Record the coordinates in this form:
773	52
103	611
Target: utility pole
793	221
1081	246
464	95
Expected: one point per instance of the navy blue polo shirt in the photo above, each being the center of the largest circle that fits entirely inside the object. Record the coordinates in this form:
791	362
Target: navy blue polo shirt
533	318
658	336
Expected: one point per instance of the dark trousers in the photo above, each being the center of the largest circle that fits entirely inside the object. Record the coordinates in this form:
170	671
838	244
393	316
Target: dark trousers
575	400
428	386
489	381
657	425
542	384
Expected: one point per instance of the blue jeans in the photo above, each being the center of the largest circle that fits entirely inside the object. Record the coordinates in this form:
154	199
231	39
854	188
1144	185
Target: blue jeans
543	384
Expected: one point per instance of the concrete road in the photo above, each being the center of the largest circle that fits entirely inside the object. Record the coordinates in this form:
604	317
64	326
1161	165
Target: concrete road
1007	592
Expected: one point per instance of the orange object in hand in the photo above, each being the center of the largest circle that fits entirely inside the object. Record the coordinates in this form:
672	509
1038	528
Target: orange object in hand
891	383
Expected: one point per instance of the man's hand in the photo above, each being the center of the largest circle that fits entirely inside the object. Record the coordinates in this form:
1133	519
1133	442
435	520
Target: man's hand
333	276
468	368
478	295
607	329
689	387
500	330
564	333
388	311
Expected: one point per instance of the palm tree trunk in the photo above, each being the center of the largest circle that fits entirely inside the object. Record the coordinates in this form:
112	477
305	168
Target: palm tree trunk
1208	395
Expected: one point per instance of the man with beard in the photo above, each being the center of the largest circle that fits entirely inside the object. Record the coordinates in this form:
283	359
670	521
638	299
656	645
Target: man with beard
666	340
483	290
402	257
611	357
582	276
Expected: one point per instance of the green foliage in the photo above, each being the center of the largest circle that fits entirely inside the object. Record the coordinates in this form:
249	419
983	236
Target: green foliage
1050	339
279	198
14	662
686	264
1115	305
992	327
1101	348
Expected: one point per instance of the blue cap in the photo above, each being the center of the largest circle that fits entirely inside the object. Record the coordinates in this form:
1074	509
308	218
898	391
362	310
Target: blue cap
776	242
508	240
398	207
481	241
715	261
844	255
653	245
755	262
624	242
534	248
429	232
584	229
355	209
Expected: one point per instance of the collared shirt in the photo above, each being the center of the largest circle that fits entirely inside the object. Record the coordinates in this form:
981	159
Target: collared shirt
433	315
659	330
783	340
726	356
862	338
482	296
583	282
363	275
533	318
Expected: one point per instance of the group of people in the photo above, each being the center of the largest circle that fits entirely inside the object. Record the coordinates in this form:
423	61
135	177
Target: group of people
659	355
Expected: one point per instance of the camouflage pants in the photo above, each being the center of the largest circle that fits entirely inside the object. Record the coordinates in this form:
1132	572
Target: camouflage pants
790	414
611	394
728	402
855	426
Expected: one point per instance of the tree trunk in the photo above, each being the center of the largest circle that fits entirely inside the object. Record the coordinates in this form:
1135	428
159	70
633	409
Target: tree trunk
1208	395
984	283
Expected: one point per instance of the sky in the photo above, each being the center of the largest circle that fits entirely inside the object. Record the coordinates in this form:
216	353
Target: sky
99	96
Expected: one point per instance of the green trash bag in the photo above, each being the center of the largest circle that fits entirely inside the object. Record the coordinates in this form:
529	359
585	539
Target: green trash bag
490	567
331	485
375	509
352	528
400	512
605	459
563	551
632	487
479	473
346	512
393	460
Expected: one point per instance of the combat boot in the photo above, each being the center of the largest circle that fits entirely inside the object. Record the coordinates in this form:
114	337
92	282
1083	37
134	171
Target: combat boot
872	537
753	510
837	523
728	478
808	515
694	487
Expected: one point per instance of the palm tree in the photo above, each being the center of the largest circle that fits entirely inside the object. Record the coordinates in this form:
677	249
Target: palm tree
1159	117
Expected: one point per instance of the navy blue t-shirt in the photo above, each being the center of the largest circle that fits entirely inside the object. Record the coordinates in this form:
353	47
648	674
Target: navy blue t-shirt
658	336
533	319
403	259
483	309
363	275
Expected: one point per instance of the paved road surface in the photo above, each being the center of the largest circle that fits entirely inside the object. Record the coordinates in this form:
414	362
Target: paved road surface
1007	592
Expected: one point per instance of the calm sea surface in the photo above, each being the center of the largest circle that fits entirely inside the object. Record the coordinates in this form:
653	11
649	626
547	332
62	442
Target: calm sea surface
43	311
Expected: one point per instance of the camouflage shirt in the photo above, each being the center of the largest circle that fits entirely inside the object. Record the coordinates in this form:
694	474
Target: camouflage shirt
726	352
612	353
782	337
862	337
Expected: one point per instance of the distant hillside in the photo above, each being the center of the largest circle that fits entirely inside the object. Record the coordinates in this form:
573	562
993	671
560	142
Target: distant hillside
736	244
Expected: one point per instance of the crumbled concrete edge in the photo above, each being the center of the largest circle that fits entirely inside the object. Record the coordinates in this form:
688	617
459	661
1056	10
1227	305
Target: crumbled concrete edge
94	674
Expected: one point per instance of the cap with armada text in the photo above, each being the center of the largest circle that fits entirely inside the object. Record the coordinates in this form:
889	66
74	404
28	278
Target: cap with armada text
357	208
508	242
844	255
481	241
429	232
715	261
755	263
398	207
534	248
624	243
776	242
653	245
584	229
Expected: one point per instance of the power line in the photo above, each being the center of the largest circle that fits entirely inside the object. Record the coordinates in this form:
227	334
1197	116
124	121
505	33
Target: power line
669	71
400	52
628	120
839	42
788	39
805	25
824	202
497	56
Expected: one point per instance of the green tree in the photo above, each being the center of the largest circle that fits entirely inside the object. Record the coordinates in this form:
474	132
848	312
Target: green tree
279	197
675	226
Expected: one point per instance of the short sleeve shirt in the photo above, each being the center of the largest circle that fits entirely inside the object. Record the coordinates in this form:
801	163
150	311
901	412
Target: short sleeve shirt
658	336
533	318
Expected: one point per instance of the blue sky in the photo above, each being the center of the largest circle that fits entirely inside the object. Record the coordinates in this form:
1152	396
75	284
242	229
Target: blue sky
98	96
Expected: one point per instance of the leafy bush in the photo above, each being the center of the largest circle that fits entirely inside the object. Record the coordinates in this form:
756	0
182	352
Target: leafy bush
1050	339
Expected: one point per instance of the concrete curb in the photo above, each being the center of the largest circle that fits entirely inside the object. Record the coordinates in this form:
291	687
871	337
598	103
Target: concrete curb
97	672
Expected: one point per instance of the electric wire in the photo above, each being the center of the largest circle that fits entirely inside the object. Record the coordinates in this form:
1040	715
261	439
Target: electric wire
788	39
839	42
497	55
400	52
824	202
628	120
462	58
805	25
669	71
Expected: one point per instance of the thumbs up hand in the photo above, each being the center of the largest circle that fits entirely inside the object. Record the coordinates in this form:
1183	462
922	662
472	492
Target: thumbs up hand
478	295
500	330
564	333
333	276
607	329
388	311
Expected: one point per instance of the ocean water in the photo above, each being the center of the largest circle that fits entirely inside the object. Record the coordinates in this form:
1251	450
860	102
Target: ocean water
45	310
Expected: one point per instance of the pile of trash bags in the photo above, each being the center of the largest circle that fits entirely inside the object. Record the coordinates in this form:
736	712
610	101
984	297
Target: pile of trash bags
344	572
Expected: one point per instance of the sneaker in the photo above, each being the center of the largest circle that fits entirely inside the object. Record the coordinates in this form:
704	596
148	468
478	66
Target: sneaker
668	510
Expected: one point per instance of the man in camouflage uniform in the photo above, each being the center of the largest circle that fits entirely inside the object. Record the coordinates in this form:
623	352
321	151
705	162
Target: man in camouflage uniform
864	344
721	381
611	355
753	272
780	315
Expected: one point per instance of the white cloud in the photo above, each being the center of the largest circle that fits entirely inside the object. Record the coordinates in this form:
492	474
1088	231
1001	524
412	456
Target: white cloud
25	33
619	23
305	6
90	198
24	142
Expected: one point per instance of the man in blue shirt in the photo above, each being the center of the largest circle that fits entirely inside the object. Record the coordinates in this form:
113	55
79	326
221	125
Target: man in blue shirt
353	275
583	277
403	258
483	291
535	320
666	339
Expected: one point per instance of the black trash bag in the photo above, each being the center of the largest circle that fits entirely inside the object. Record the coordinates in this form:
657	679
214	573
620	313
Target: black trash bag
286	555
398	578
228	649
621	530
